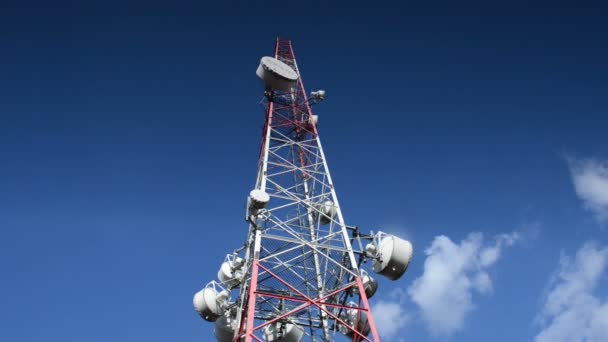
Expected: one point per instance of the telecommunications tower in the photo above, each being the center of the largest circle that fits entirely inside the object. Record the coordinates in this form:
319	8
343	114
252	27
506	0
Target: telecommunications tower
298	276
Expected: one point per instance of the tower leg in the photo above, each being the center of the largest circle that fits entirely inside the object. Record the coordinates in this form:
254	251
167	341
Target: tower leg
251	296
370	316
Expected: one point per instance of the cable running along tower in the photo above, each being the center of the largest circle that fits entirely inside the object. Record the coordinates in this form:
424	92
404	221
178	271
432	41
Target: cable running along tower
298	276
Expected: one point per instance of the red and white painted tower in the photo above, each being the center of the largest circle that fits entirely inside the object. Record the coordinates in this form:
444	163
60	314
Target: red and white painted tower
299	275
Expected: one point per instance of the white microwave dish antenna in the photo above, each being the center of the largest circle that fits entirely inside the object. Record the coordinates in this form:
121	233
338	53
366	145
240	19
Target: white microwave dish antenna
276	74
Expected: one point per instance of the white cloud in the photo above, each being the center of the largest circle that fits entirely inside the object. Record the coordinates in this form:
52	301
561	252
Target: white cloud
571	312
452	273
590	178
390	318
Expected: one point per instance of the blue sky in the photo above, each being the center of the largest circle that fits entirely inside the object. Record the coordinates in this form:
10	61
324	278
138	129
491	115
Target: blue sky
129	137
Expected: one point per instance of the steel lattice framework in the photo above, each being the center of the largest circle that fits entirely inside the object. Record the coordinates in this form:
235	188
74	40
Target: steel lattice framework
298	269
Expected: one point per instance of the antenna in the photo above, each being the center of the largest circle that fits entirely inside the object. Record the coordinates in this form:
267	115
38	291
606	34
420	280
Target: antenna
317	96
299	275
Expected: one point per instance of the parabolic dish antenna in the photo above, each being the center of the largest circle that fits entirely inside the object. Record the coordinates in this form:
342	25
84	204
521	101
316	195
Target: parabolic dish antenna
276	74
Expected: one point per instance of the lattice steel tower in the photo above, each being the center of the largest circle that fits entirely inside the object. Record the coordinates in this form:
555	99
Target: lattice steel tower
298	276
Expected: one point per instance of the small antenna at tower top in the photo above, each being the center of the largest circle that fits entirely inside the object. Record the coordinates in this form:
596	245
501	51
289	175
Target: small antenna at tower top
318	95
276	74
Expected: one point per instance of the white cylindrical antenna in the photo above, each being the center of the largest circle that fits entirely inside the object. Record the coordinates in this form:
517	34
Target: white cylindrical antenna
327	212
283	332
369	284
276	75
231	272
318	95
352	316
258	199
210	302
225	327
393	255
313	120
